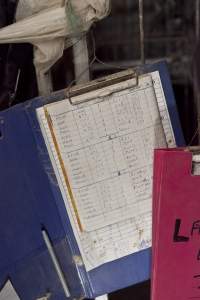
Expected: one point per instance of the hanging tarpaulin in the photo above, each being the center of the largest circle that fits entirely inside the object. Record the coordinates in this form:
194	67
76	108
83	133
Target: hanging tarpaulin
50	25
54	22
27	8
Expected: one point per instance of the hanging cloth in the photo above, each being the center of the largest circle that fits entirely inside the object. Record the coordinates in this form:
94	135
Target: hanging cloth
50	27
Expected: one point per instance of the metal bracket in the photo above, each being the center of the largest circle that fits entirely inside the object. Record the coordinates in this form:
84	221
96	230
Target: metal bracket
99	84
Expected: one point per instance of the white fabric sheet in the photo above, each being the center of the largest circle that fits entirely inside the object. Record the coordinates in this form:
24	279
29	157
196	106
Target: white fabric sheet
50	27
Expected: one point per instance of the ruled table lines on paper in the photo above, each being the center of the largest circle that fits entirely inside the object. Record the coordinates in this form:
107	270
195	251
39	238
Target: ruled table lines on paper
107	150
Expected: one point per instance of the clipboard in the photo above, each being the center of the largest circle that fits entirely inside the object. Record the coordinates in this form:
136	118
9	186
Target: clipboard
37	193
98	86
177	207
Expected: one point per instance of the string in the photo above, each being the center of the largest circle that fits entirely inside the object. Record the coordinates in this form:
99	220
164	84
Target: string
114	66
92	60
99	60
75	21
194	136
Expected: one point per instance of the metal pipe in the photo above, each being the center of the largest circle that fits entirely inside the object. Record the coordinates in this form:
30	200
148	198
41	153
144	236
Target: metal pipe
81	60
55	263
141	24
195	81
197	17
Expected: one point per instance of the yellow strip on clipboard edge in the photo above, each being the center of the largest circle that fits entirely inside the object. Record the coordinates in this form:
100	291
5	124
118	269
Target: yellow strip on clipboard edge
49	121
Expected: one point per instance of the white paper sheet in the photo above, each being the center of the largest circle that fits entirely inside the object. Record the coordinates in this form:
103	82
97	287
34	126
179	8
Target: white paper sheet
107	149
104	297
8	292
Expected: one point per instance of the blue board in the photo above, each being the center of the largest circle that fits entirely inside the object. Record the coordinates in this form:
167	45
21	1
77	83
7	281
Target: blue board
30	199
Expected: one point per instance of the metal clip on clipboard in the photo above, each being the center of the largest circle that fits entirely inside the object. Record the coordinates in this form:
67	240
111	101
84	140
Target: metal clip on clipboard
101	83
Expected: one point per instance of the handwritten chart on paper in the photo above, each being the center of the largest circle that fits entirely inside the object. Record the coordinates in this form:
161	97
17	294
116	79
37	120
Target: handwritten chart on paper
106	148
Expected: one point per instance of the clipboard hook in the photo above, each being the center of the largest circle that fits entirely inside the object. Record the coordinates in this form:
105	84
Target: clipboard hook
101	83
